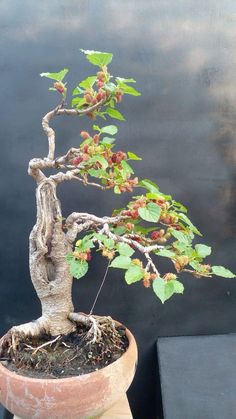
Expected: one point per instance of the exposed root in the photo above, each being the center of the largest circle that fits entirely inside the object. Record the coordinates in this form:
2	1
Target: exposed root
99	326
10	341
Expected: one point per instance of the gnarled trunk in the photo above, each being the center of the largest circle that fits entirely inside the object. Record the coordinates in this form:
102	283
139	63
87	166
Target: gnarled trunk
48	267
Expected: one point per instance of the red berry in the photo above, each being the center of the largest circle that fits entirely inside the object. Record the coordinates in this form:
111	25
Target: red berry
100	84
96	139
77	160
155	235
85	135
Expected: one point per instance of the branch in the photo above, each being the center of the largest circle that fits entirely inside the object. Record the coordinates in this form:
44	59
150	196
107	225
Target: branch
81	221
50	133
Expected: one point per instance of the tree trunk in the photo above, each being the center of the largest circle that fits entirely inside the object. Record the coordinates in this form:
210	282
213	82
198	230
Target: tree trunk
48	267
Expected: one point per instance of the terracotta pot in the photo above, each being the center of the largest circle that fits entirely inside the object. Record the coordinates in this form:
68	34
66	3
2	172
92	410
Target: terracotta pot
84	396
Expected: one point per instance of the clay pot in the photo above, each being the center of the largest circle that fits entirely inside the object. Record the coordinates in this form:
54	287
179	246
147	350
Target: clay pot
80	397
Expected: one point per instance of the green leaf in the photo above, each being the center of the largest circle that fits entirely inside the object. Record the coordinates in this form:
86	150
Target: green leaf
98	58
114	113
77	102
56	76
110	87
184	218
221	271
178	206
99	173
109	129
150	213
164	290
149	185
117	190
100	159
181	237
109	243
134	274
165	253
128	89
122	80
203	250
122	262
107	140
125	249
78	268
126	167
133	156
88	82
158	286
77	91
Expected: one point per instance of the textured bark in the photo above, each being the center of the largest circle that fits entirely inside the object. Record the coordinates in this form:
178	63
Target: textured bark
48	267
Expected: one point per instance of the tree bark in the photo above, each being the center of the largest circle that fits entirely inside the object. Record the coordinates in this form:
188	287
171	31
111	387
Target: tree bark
48	266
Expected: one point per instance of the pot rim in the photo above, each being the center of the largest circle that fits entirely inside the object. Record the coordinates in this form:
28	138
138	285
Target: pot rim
15	375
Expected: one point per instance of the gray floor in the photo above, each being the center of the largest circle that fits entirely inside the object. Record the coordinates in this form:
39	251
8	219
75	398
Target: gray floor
198	376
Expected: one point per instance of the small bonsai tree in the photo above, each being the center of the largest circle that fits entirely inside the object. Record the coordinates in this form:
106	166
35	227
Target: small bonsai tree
61	249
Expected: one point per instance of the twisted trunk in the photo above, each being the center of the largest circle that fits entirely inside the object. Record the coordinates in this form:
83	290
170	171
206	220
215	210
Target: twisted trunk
48	267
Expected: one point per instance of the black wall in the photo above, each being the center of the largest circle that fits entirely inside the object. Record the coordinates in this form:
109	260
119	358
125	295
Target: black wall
183	56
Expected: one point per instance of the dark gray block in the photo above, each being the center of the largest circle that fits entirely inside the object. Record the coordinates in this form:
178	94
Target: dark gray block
198	376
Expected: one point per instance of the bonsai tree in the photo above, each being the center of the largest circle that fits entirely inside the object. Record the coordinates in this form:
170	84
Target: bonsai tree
152	225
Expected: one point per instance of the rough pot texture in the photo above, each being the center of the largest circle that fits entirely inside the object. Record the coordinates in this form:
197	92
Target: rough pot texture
84	396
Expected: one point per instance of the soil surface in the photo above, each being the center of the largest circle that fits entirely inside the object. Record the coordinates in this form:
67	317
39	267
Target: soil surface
66	356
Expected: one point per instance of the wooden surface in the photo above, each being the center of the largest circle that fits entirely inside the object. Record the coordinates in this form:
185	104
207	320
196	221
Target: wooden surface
120	410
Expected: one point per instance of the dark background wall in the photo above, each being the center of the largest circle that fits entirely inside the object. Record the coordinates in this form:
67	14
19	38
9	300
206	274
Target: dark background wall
183	57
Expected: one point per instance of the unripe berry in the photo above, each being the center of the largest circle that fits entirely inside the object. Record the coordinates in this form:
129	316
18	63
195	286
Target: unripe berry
146	283
101	75
137	262
169	276
59	86
88	98
129	226
85	135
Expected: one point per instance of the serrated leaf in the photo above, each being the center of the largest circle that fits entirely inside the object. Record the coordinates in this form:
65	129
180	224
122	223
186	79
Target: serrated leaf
77	91
150	213
122	262
117	190
110	87
77	102
98	58
129	90
124	249
99	173
78	268
122	80
134	274
189	223
221	271
126	167
109	129
88	82
165	253
203	250
133	156
181	237
109	243
107	140
100	159
149	185
56	76
114	113
178	206
164	290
